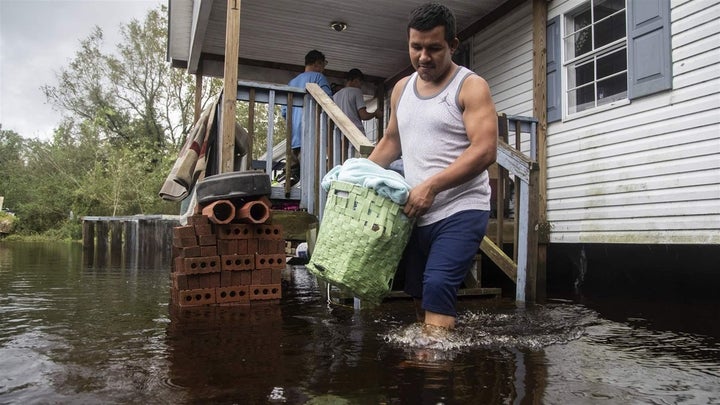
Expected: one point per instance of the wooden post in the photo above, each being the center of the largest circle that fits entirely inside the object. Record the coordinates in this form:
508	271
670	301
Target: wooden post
131	244
232	50
539	10
380	123
88	235
116	238
101	228
289	157
198	95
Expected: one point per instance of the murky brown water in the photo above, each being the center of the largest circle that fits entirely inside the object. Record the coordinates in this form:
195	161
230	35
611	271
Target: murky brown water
70	334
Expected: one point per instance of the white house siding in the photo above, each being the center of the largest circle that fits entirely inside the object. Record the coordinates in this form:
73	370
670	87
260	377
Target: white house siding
502	55
647	171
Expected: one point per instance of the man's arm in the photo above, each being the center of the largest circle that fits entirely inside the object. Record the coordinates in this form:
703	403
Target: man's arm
480	120
364	115
325	85
388	149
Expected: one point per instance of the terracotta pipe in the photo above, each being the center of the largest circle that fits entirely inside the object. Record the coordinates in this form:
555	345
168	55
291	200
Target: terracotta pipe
220	211
254	212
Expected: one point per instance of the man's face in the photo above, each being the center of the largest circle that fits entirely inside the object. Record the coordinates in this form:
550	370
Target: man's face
430	54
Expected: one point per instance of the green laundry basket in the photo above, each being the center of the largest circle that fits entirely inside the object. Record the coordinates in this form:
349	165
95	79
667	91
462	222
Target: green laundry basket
360	241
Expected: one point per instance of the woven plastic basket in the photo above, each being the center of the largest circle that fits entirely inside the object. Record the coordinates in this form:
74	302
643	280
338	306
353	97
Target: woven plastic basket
360	241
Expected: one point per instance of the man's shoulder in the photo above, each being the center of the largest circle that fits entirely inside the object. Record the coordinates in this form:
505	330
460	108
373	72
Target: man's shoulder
307	77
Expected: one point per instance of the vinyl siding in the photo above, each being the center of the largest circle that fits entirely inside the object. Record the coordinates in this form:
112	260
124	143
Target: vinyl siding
646	171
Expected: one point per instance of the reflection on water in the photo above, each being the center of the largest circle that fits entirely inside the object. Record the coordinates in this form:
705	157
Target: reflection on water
70	334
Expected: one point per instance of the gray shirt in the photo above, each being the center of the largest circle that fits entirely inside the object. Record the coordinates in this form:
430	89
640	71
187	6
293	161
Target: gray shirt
433	135
350	100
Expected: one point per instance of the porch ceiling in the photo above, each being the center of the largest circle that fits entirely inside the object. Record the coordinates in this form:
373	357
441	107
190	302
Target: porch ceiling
278	33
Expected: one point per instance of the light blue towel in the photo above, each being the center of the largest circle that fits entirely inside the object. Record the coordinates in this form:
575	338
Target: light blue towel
369	174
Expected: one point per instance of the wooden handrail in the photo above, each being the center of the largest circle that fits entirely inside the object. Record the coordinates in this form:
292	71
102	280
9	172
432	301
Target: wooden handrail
351	132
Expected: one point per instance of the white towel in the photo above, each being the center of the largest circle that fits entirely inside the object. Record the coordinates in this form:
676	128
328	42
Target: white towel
369	174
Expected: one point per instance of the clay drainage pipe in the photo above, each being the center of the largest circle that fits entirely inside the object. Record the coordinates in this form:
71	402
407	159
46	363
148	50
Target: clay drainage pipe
220	212
253	212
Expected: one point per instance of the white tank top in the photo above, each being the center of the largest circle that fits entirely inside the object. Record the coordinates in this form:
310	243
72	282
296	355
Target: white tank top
433	135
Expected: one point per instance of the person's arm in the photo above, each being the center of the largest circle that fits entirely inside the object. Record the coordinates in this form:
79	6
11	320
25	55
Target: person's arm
325	85
389	148
364	115
359	101
480	120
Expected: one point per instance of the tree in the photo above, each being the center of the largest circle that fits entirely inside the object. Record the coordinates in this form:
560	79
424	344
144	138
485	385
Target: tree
134	96
125	116
11	164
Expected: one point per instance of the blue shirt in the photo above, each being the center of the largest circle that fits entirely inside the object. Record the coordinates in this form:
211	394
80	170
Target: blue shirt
300	81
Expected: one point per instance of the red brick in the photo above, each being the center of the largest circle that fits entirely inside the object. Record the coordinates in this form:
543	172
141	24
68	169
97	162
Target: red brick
192	251
208	251
262	276
181	232
185	242
197	219
178	264
271	246
252	246
196	297
274	231
237	262
276	276
180	281
193	281
227	247
207	240
236	293
209	280
274	261
243	277
204	229
198	265
234	231
265	292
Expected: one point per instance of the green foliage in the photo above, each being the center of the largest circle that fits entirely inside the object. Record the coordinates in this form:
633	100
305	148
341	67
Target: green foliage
7	223
126	115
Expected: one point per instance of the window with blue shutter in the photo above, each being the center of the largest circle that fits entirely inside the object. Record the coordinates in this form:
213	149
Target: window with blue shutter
649	49
611	51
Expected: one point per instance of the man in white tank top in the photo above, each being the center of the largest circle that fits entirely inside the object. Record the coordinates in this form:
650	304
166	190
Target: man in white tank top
443	122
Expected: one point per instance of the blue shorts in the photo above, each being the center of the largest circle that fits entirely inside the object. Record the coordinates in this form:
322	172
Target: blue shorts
438	257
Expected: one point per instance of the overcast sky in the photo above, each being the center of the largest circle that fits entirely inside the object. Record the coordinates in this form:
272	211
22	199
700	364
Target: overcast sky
37	38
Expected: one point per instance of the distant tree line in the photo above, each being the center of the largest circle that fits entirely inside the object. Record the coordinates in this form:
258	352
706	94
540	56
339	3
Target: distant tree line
125	117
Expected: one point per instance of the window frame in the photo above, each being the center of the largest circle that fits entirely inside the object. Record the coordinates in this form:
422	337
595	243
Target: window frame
569	64
649	56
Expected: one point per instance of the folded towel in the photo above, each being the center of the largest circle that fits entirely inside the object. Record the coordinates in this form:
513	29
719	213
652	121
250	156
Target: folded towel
369	174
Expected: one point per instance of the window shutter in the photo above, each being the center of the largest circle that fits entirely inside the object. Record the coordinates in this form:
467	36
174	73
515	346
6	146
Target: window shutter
554	88
649	58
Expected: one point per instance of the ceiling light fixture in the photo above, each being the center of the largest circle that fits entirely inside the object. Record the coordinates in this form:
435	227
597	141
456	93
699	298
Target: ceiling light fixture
338	26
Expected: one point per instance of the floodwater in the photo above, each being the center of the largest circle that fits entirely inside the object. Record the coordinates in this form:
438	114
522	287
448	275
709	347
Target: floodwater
72	334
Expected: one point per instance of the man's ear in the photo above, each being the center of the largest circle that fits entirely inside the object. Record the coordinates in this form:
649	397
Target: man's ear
454	44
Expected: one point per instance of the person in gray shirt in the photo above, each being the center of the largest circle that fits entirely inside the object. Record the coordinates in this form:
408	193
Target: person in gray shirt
351	102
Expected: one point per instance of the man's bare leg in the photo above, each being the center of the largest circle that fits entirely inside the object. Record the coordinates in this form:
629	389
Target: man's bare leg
419	312
443	321
432	318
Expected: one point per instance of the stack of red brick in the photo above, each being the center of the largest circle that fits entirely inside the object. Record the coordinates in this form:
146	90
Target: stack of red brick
226	264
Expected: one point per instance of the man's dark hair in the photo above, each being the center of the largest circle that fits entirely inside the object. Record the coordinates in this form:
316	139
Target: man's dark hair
355	74
314	56
431	15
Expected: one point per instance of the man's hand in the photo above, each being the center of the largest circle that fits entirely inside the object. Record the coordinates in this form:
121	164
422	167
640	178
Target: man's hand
419	201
